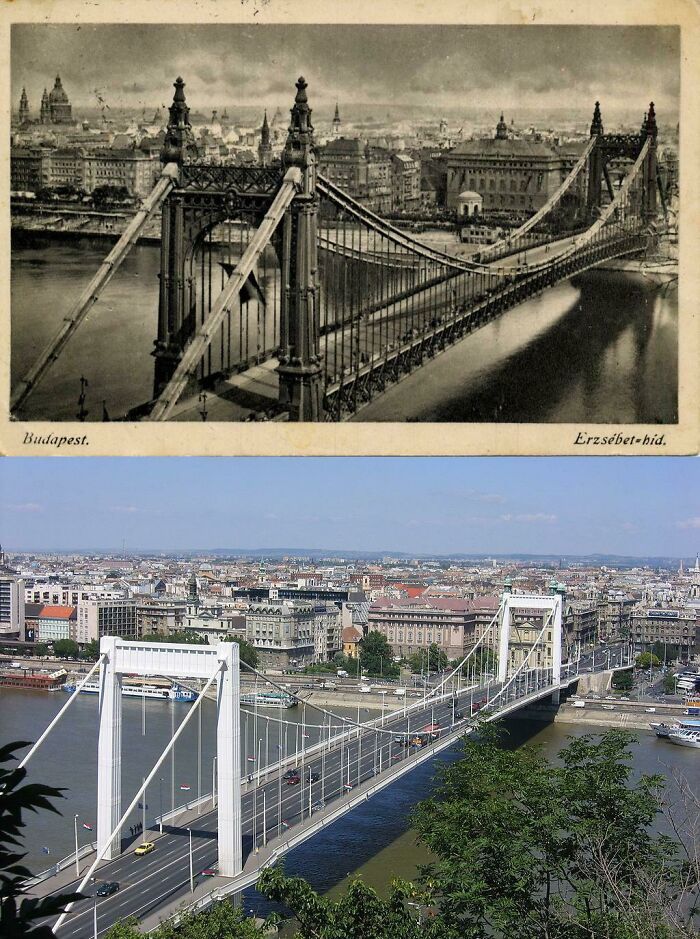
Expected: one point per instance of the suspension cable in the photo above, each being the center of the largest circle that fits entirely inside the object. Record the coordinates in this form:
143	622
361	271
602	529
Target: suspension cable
74	695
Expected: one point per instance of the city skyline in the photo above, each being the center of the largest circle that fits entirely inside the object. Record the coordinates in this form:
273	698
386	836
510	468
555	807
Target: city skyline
467	68
445	506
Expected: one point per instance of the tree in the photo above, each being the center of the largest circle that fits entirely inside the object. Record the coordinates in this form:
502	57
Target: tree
669	683
66	648
91	651
221	921
246	650
19	916
647	660
529	849
432	660
180	635
376	655
41	649
623	681
359	912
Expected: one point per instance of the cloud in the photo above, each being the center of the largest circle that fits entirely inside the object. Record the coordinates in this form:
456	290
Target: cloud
689	522
529	517
25	507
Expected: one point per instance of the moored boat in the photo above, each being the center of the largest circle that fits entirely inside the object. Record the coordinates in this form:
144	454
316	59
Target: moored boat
685	738
268	699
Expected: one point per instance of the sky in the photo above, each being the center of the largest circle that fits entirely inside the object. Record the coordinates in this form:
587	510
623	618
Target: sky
639	507
474	67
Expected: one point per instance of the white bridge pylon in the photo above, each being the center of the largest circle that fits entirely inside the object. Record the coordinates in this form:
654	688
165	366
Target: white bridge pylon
551	606
172	661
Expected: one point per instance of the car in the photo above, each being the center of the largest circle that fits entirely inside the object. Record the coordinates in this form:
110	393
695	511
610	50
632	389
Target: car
650	710
293	780
210	871
318	806
608	707
399	738
291	773
107	889
314	777
459	715
144	848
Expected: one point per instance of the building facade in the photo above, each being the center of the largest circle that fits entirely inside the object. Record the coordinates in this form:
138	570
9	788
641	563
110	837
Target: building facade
11	603
100	617
513	176
283	634
162	615
56	622
327	631
412	625
676	629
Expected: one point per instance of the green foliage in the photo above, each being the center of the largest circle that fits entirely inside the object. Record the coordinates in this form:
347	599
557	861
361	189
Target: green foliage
246	650
220	921
66	648
376	656
182	635
623	681
19	917
669	683
647	659
432	659
41	649
91	651
360	912
526	849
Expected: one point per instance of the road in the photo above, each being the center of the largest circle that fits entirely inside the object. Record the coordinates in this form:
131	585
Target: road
149	882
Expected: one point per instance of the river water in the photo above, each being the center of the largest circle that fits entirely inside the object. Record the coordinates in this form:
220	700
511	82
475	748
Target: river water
374	840
602	347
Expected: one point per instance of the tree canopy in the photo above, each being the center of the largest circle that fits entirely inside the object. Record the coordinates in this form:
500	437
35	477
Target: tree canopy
377	656
432	659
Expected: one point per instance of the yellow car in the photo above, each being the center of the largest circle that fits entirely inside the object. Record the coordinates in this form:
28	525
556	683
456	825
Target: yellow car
145	848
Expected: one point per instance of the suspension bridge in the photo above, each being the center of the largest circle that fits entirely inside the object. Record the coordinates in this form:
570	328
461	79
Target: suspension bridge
287	299
318	773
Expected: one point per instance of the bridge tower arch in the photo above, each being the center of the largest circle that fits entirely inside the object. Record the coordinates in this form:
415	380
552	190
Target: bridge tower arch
174	661
548	604
207	194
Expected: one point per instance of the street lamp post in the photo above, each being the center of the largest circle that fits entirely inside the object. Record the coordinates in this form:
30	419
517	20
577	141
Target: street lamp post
191	867
94	918
160	791
75	831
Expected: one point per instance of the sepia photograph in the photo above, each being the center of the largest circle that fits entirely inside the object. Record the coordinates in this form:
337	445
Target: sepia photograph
465	227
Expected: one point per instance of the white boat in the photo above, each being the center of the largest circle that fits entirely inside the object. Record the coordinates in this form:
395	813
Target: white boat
664	730
268	699
176	693
685	738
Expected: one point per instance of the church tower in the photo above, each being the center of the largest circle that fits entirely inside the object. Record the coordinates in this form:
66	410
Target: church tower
501	129
336	121
45	113
265	146
23	108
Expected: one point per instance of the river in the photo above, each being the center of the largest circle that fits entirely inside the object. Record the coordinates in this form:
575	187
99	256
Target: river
602	347
374	840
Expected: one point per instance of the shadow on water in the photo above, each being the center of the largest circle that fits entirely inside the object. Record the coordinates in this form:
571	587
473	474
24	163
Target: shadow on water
602	347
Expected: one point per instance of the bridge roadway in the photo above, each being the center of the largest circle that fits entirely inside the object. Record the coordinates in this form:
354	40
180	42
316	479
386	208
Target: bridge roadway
162	877
160	880
366	337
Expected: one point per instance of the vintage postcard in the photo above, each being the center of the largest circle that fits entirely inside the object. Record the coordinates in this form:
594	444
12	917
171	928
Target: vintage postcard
377	228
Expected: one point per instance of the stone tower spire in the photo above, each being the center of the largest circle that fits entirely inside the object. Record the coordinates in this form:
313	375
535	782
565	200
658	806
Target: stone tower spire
597	122
650	122
45	113
265	146
23	107
336	121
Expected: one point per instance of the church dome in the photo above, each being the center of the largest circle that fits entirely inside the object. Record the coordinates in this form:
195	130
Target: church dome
58	95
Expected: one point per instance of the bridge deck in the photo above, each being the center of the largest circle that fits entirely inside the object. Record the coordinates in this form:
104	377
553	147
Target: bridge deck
158	884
